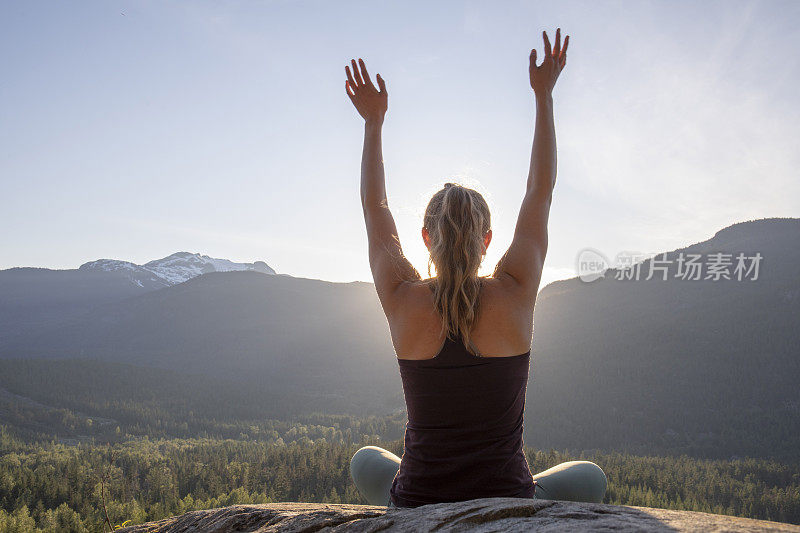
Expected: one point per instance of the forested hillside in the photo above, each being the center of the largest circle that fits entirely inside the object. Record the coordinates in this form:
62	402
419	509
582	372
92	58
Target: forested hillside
57	488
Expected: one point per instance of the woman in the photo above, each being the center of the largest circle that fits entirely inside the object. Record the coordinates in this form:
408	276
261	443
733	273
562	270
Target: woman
463	342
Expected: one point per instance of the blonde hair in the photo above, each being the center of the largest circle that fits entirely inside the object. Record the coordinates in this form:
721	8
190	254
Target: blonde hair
457	219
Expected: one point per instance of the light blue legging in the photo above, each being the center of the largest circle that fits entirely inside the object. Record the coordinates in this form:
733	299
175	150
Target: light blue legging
373	470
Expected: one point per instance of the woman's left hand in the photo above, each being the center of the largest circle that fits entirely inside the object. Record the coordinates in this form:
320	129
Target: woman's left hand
370	103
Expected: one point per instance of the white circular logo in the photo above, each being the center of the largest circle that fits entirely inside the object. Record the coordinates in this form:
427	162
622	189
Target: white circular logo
591	264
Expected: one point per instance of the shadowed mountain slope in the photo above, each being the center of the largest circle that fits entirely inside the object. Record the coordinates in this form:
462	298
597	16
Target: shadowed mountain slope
703	367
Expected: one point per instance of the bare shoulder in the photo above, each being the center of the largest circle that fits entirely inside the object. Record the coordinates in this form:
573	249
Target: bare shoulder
505	321
413	295
408	300
413	321
514	293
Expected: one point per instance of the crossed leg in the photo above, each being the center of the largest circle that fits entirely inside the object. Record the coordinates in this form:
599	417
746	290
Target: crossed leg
576	481
373	469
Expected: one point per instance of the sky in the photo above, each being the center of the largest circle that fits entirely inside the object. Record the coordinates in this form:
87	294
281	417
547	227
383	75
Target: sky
135	129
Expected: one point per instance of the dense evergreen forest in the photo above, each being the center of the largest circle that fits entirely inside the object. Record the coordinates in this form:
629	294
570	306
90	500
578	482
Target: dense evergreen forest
54	487
169	443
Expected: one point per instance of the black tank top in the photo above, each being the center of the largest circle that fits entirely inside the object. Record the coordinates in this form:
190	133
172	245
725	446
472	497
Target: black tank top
463	439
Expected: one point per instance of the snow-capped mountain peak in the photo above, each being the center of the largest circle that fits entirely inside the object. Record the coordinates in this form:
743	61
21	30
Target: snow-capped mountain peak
173	269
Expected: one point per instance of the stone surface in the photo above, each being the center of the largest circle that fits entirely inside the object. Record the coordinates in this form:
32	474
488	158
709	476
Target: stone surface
482	515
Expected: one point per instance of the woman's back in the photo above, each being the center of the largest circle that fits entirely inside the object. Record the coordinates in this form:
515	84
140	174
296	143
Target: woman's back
503	327
464	438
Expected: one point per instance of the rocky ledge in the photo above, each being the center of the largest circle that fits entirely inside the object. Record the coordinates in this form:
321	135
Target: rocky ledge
488	514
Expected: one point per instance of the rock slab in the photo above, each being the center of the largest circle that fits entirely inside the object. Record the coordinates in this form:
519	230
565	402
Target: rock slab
481	515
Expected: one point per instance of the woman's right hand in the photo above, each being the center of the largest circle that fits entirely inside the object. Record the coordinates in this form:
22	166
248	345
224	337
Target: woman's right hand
543	78
370	102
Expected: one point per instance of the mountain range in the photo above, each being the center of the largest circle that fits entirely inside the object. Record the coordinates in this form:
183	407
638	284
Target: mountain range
30	297
173	269
671	364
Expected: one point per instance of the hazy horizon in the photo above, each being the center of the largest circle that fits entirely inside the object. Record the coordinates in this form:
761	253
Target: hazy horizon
135	130
553	276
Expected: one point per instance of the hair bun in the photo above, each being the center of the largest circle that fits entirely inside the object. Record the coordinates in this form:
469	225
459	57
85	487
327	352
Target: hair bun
448	185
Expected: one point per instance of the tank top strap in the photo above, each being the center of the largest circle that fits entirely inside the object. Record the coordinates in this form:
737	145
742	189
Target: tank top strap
474	348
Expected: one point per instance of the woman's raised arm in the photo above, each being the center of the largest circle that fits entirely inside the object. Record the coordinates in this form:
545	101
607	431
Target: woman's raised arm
390	268
524	260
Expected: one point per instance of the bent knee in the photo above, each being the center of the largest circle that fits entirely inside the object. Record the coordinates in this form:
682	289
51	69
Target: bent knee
591	468
363	456
596	479
359	457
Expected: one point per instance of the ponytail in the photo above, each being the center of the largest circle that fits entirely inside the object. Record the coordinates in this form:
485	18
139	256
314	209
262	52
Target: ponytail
457	220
